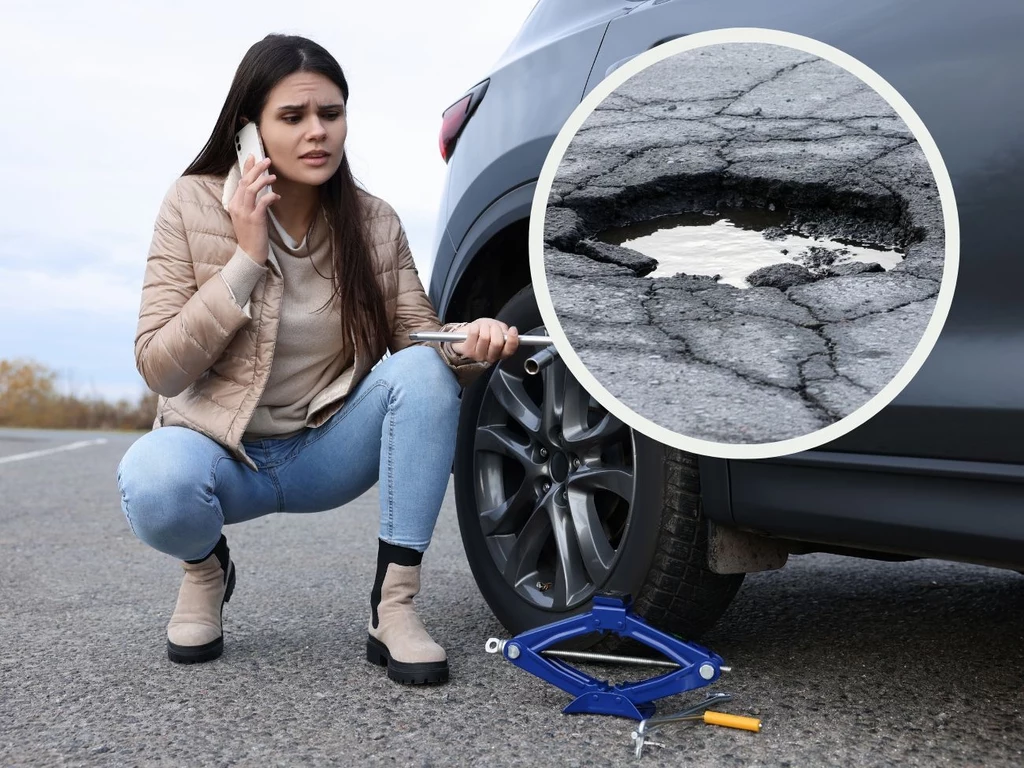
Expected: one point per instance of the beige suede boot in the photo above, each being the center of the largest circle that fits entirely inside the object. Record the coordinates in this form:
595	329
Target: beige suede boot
194	632
397	638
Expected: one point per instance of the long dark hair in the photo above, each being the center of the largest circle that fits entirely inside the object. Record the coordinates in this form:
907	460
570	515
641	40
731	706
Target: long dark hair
356	289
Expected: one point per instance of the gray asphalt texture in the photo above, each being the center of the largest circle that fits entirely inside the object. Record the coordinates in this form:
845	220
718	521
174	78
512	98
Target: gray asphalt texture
846	662
744	125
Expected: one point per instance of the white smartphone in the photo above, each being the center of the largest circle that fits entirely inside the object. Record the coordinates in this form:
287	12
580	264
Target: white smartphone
248	142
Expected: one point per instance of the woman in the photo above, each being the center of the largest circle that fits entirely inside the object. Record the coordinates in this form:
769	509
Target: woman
259	324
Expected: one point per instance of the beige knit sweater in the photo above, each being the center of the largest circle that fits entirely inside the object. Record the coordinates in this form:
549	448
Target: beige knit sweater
307	355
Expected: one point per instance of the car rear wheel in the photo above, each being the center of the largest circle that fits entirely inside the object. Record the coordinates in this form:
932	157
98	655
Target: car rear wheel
558	500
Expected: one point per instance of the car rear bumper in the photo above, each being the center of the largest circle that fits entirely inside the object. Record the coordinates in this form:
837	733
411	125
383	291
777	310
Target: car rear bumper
959	510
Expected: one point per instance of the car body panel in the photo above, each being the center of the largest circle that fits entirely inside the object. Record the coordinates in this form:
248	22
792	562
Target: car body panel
961	67
957	510
952	62
510	134
508	209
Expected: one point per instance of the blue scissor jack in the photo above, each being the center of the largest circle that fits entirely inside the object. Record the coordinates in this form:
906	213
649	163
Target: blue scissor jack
530	650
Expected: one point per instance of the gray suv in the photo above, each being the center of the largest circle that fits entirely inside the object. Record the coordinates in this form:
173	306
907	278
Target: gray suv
556	499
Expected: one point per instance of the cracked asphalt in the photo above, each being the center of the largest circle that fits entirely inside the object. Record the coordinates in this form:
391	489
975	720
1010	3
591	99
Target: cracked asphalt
847	662
744	125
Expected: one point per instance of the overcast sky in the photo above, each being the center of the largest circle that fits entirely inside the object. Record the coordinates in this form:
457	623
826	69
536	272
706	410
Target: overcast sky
107	102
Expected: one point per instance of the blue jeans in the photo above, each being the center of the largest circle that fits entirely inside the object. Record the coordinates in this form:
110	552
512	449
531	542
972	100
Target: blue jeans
179	487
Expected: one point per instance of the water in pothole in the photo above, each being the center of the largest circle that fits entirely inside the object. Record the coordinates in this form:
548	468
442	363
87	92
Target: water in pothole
735	243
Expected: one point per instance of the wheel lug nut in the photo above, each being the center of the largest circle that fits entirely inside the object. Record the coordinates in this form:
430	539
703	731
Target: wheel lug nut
575	463
543	453
546	487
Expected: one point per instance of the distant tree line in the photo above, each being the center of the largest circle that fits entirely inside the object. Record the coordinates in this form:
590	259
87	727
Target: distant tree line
29	397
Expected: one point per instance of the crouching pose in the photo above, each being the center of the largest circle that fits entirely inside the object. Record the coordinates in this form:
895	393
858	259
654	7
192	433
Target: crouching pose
264	315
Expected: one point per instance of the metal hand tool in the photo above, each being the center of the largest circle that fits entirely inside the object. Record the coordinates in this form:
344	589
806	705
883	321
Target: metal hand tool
695	666
698	712
525	340
533	365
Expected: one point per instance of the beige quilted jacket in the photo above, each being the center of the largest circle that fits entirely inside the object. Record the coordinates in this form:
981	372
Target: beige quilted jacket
208	358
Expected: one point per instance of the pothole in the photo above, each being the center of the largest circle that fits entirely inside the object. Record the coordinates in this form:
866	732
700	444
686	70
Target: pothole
734	243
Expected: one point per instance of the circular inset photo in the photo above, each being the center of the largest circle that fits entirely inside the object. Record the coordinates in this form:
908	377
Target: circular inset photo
744	243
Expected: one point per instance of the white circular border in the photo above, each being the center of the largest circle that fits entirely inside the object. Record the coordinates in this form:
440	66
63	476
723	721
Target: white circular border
879	400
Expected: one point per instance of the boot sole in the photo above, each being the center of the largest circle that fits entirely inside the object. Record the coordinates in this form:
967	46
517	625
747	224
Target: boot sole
407	673
197	654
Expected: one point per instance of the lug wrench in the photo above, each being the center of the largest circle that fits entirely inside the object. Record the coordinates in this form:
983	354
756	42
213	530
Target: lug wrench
525	340
533	365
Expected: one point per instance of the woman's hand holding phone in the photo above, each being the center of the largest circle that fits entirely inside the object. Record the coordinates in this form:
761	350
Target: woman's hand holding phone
249	213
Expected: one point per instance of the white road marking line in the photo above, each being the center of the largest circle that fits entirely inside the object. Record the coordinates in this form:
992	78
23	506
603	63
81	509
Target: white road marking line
48	451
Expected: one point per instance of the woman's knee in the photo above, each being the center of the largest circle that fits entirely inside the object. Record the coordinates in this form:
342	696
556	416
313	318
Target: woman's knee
422	375
167	493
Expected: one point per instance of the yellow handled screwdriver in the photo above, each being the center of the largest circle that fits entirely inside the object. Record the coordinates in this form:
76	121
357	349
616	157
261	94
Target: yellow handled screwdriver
729	721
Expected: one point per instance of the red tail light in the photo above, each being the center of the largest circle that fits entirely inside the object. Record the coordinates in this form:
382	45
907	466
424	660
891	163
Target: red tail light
451	125
454	119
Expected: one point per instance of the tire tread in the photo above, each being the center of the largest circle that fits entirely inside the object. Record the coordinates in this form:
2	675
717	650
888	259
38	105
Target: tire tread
681	594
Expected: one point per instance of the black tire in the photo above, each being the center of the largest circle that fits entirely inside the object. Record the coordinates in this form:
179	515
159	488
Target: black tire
660	545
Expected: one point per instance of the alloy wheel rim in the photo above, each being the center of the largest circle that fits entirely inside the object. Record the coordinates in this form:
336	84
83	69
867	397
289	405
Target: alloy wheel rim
554	483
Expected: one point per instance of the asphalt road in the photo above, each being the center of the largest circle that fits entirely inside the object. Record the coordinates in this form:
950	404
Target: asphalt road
750	126
847	662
